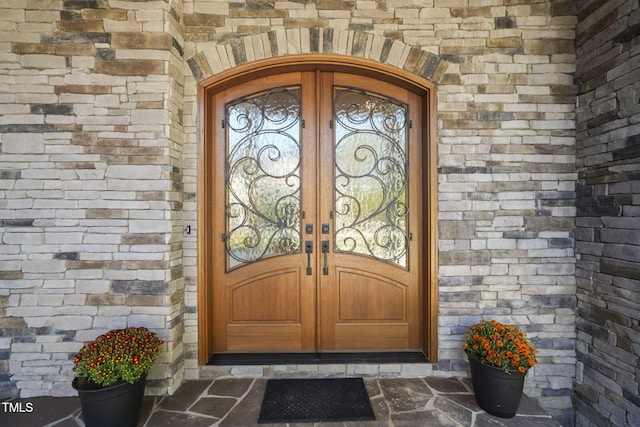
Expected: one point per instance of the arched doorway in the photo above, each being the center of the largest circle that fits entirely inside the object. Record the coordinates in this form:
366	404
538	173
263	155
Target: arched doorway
317	208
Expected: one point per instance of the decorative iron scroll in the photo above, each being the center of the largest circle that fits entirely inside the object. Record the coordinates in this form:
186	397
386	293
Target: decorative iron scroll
371	165
263	175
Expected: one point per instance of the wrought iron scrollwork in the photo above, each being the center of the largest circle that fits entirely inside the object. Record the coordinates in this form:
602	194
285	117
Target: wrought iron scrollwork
263	175
371	164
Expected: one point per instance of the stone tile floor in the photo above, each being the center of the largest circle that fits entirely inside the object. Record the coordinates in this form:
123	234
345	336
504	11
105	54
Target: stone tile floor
410	402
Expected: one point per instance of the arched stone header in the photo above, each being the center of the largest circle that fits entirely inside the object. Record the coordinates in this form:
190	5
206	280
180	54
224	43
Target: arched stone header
353	43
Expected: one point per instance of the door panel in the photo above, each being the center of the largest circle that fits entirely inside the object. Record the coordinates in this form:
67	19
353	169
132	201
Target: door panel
372	312
359	337
245	338
263	299
365	298
321	159
370	298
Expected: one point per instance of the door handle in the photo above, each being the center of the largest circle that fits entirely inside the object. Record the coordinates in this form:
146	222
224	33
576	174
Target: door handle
325	251
308	249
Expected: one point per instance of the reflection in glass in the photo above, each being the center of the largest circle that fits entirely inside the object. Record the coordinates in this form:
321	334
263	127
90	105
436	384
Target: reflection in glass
370	175
263	175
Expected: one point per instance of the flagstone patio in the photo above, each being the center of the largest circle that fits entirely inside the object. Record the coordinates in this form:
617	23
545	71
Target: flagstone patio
235	402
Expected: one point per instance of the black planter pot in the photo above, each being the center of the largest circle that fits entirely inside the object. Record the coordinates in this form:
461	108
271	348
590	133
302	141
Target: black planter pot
497	392
117	405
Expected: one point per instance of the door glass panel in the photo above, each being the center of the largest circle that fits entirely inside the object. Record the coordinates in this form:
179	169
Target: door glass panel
370	197
263	175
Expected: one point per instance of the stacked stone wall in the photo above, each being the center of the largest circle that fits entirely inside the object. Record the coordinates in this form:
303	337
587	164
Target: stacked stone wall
506	163
608	214
99	165
90	159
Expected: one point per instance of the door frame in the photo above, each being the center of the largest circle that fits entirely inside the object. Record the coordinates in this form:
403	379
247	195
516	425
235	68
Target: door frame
427	90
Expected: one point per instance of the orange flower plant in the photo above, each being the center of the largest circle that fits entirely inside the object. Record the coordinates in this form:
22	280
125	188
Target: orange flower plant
503	346
117	356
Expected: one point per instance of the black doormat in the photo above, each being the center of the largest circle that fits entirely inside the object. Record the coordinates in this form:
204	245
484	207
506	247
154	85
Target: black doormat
315	400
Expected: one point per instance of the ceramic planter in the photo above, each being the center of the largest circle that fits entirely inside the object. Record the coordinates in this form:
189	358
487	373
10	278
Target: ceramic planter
497	392
117	405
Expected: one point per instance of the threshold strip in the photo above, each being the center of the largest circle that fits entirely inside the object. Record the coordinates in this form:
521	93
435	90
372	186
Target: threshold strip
315	358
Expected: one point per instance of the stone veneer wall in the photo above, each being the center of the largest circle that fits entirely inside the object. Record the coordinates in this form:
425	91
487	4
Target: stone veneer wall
91	193
99	148
608	224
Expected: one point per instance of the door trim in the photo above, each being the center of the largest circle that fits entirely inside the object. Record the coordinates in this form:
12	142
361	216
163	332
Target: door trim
226	79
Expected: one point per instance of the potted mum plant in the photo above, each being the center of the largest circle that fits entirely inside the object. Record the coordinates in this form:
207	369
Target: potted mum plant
111	373
499	358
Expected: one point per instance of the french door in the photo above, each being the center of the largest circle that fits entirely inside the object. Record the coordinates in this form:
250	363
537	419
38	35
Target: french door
316	188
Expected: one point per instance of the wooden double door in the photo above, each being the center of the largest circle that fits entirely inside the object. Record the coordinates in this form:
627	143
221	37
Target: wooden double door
317	196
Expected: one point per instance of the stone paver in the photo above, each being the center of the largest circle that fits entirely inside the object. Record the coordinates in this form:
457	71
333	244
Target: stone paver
235	402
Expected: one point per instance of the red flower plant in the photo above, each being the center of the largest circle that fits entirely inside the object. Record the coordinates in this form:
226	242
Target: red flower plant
117	356
503	346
